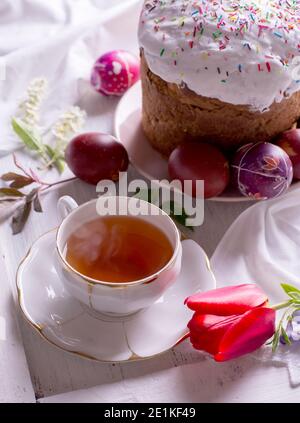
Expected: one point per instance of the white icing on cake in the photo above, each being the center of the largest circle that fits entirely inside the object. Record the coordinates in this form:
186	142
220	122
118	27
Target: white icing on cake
240	52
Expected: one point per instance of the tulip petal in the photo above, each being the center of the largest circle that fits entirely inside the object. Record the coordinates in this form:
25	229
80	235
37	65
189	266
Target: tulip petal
207	331
248	334
230	300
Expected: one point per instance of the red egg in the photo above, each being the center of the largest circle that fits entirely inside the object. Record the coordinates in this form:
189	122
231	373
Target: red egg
115	72
289	141
200	161
94	157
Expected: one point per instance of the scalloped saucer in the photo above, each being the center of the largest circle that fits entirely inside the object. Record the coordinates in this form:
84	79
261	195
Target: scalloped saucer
75	328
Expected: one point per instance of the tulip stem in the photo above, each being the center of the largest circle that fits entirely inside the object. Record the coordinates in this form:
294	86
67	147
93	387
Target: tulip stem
279	306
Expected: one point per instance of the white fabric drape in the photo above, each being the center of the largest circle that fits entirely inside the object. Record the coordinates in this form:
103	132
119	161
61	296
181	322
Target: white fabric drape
263	246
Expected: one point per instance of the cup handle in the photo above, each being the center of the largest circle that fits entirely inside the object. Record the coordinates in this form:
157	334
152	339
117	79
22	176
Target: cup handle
65	205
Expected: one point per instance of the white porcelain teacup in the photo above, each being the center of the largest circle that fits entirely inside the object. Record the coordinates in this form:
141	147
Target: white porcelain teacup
107	297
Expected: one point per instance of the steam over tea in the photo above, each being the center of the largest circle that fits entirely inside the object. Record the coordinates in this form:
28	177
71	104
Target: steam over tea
118	249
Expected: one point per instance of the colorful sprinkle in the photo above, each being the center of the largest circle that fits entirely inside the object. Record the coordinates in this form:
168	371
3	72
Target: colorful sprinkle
222	26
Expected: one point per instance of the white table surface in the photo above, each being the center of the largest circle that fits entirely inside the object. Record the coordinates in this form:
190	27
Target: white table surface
56	374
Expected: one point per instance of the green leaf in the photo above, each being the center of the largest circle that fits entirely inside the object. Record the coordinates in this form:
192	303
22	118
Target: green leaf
52	154
179	216
60	165
56	158
147	195
32	140
289	288
275	341
50	151
295	296
10	192
285	336
20	217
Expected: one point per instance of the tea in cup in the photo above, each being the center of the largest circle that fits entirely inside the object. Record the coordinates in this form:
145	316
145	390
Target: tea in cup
117	263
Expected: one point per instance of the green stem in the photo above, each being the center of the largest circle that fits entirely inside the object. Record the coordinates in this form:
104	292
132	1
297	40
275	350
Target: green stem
279	306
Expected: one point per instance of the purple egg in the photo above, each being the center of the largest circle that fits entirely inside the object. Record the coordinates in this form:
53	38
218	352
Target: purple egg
262	170
115	72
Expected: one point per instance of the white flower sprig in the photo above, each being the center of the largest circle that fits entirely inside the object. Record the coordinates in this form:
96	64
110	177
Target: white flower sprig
68	124
27	126
30	107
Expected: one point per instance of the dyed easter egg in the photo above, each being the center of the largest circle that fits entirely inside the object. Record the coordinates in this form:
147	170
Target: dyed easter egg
195	161
261	170
115	72
289	141
95	157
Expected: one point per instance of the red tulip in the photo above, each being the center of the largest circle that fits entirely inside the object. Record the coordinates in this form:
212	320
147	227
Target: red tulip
228	300
230	322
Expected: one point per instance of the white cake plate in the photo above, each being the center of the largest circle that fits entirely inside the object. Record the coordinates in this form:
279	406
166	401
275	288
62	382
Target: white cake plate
128	129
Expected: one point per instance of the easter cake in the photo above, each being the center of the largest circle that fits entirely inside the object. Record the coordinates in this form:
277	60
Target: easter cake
219	71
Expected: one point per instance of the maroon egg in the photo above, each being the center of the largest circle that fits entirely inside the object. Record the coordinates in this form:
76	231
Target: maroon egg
115	72
289	141
94	157
195	161
262	170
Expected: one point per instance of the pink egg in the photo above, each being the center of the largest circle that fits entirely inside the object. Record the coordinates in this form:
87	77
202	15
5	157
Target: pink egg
115	72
